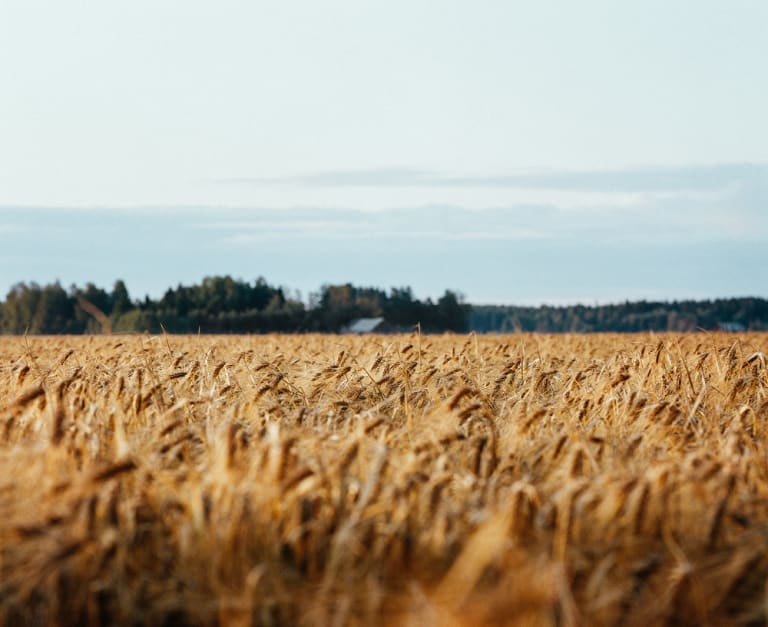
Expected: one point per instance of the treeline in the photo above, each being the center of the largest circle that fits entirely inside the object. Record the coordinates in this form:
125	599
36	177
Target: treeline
220	305
680	316
227	305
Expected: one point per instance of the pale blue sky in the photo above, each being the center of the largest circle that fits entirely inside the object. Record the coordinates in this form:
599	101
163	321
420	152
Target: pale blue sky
518	152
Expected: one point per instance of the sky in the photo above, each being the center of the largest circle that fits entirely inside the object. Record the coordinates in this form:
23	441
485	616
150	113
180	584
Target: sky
517	152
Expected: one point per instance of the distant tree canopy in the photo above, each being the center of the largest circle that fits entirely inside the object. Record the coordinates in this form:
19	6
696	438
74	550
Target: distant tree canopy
220	305
30	308
227	305
340	304
689	315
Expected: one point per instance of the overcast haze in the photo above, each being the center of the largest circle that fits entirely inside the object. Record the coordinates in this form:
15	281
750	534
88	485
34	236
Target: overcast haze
517	152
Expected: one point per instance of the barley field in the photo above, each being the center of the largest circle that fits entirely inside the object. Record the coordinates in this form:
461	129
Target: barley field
384	480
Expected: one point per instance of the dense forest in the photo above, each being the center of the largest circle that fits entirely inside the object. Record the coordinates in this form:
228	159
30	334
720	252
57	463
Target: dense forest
227	305
221	305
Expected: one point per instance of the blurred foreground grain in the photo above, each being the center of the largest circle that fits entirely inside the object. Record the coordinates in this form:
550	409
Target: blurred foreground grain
384	480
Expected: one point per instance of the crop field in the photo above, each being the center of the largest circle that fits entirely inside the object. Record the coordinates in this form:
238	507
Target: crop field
384	480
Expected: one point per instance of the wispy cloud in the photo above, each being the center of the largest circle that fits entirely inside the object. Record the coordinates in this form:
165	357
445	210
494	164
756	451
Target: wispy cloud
643	179
666	219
